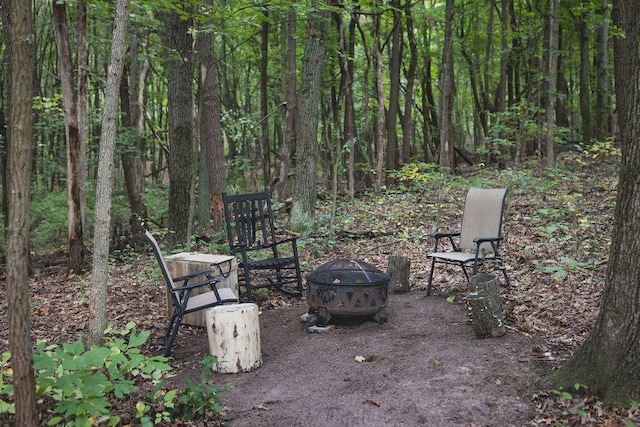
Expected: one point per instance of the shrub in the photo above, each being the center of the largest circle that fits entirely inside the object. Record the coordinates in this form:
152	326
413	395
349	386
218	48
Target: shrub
76	386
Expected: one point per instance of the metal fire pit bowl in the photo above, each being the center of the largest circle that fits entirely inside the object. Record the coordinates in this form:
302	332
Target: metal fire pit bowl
347	287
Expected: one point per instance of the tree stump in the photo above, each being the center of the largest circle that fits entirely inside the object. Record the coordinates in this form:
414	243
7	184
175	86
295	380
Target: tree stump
234	337
485	307
399	268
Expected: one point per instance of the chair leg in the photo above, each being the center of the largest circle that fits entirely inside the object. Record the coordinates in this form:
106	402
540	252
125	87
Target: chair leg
172	332
464	270
433	265
247	285
507	282
299	279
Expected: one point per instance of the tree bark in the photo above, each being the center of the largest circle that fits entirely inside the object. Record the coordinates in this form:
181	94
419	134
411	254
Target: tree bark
290	108
104	184
380	128
264	99
552	81
72	130
211	141
131	162
304	198
18	18
408	129
399	269
608	362
394	88
602	128
179	67
447	135
585	98
485	307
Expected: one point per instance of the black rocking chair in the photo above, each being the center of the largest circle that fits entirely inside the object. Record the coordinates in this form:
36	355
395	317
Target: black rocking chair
180	289
264	261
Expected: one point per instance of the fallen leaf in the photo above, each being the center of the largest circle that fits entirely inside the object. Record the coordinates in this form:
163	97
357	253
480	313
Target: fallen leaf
373	402
523	358
262	406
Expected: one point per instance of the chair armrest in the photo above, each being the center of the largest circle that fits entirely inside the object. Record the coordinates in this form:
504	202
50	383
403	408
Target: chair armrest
487	239
210	281
438	236
448	236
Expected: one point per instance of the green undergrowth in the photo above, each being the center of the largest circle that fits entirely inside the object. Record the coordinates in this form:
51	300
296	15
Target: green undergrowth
80	386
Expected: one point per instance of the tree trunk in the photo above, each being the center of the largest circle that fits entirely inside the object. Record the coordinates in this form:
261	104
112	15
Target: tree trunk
264	99
585	98
350	128
430	129
304	198
72	131
18	18
179	67
447	135
394	88
552	80
380	128
608	362
130	157
602	128
104	183
290	108
83	96
211	141
407	119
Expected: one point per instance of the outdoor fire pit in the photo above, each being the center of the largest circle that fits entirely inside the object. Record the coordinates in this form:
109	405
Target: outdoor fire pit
347	287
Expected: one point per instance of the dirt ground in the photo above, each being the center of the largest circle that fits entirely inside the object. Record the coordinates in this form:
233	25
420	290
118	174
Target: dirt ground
424	366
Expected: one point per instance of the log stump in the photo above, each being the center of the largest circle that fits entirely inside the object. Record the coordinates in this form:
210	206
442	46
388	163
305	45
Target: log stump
485	307
399	268
234	337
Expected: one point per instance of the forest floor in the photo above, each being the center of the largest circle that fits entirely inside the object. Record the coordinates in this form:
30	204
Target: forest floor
424	366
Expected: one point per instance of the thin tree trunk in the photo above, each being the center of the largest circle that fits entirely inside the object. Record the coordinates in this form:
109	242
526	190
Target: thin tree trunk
104	183
130	157
447	135
290	108
585	96
264	99
18	19
603	115
380	128
211	141
74	176
394	88
350	129
407	119
83	69
554	10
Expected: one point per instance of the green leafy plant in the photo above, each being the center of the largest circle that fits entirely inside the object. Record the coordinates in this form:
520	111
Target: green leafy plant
560	269
6	388
199	398
77	386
